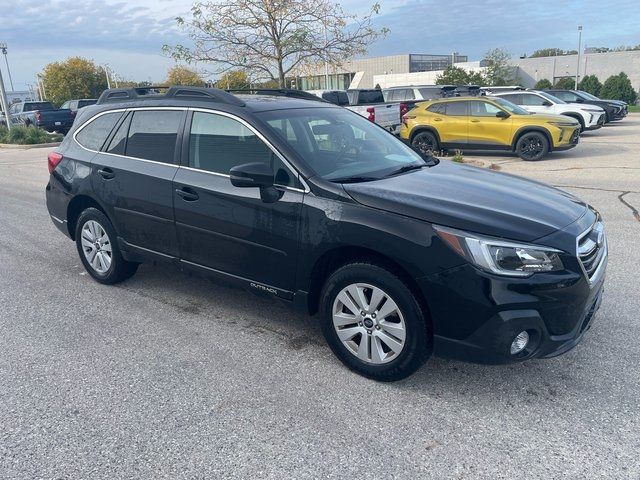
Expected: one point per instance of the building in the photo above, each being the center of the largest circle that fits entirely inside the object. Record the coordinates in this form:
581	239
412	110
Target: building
359	73
602	65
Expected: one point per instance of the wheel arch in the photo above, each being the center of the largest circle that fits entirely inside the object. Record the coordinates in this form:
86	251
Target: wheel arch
576	116
424	128
76	206
528	129
337	257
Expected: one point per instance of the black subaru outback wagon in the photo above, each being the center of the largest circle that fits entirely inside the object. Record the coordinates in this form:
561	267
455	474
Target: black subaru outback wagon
308	202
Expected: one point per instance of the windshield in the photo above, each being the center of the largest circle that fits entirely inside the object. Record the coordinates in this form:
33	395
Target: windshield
510	107
339	145
588	96
550	97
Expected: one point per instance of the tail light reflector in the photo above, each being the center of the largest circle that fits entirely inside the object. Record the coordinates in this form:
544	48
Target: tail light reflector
53	159
372	114
404	109
38	116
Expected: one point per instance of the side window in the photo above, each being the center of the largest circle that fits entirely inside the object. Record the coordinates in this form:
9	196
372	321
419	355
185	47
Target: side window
482	109
65	105
457	109
153	135
94	134
437	108
409	95
566	96
513	98
13	108
218	143
533	100
119	140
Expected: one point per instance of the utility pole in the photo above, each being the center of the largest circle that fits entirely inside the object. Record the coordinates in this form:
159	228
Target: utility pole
3	47
44	92
326	61
579	48
106	73
4	102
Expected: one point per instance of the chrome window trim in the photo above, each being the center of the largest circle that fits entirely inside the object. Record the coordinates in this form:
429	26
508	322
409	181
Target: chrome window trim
306	188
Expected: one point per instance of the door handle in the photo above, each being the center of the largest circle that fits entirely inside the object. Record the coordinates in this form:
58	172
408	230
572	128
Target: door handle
187	194
475	121
106	173
437	119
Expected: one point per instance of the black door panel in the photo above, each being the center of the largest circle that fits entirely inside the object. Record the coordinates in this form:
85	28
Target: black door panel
232	230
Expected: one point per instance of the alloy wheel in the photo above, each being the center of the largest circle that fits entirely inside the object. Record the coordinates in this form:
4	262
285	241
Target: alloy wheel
425	145
369	323
532	147
96	246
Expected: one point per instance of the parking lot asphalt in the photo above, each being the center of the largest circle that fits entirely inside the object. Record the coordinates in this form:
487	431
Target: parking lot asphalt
172	376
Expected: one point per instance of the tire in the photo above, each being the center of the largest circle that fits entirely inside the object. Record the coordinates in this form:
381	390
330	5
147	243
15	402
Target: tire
385	355
107	267
532	146
426	143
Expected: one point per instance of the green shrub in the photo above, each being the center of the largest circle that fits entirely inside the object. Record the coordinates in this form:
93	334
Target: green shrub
618	87
457	157
21	135
566	83
543	84
590	84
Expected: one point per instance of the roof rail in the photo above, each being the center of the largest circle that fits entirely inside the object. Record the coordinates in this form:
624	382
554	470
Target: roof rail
157	92
278	92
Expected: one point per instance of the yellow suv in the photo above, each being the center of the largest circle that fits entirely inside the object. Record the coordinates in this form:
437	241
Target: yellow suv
487	123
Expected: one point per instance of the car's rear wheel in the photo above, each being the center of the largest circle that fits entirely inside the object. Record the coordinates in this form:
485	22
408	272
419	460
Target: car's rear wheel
426	143
374	323
98	248
532	146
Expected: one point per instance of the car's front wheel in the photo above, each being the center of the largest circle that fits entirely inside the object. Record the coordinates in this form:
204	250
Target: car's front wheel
374	323
532	146
98	249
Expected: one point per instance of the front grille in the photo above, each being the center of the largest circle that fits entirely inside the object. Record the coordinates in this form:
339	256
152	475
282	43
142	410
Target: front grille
575	137
592	248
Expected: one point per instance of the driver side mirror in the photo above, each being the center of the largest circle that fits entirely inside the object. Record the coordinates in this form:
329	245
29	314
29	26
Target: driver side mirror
546	103
502	114
579	100
257	175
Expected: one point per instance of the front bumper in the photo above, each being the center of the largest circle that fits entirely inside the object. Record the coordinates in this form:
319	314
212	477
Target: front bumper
489	311
598	121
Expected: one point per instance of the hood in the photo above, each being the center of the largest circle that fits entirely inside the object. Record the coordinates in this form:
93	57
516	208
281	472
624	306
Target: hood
615	102
549	117
473	199
585	106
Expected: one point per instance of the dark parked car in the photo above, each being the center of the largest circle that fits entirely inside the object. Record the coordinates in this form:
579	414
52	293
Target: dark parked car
41	114
75	105
307	202
614	109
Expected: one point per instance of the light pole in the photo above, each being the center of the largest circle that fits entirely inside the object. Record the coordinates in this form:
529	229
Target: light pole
326	60
579	48
106	73
44	92
3	47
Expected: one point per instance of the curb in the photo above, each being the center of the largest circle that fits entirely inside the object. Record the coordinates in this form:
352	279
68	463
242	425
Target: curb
12	146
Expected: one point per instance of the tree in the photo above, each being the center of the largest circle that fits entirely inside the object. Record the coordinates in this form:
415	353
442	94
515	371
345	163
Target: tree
498	71
552	52
270	38
75	77
179	75
590	84
458	76
565	83
543	84
233	79
618	87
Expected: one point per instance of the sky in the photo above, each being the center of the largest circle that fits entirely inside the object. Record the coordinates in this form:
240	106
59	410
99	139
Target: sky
128	35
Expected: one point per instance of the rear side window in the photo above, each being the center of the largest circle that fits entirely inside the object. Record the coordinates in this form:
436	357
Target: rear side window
437	108
95	133
457	108
218	143
532	100
153	135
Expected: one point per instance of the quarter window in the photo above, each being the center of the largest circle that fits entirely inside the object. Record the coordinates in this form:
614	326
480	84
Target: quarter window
94	134
218	143
153	135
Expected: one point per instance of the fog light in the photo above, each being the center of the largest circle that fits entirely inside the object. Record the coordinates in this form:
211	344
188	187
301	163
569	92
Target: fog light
519	343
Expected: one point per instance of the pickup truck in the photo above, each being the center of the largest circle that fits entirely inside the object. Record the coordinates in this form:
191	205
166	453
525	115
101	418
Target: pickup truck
41	114
370	104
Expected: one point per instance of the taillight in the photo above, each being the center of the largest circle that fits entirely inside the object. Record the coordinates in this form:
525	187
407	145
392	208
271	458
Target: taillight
53	159
406	117
372	114
404	108
38	117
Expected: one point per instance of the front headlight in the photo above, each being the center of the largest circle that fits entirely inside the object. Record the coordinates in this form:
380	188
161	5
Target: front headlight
564	124
499	256
594	110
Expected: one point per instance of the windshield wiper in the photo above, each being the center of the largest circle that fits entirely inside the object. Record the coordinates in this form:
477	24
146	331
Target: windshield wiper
407	168
354	179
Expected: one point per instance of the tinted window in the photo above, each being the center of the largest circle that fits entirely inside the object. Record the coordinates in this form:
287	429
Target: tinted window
482	109
370	96
513	98
337	98
153	135
437	108
218	143
533	100
119	140
456	108
31	106
430	93
85	103
94	134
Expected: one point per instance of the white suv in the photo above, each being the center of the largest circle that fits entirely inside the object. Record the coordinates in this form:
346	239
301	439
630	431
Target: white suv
589	116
